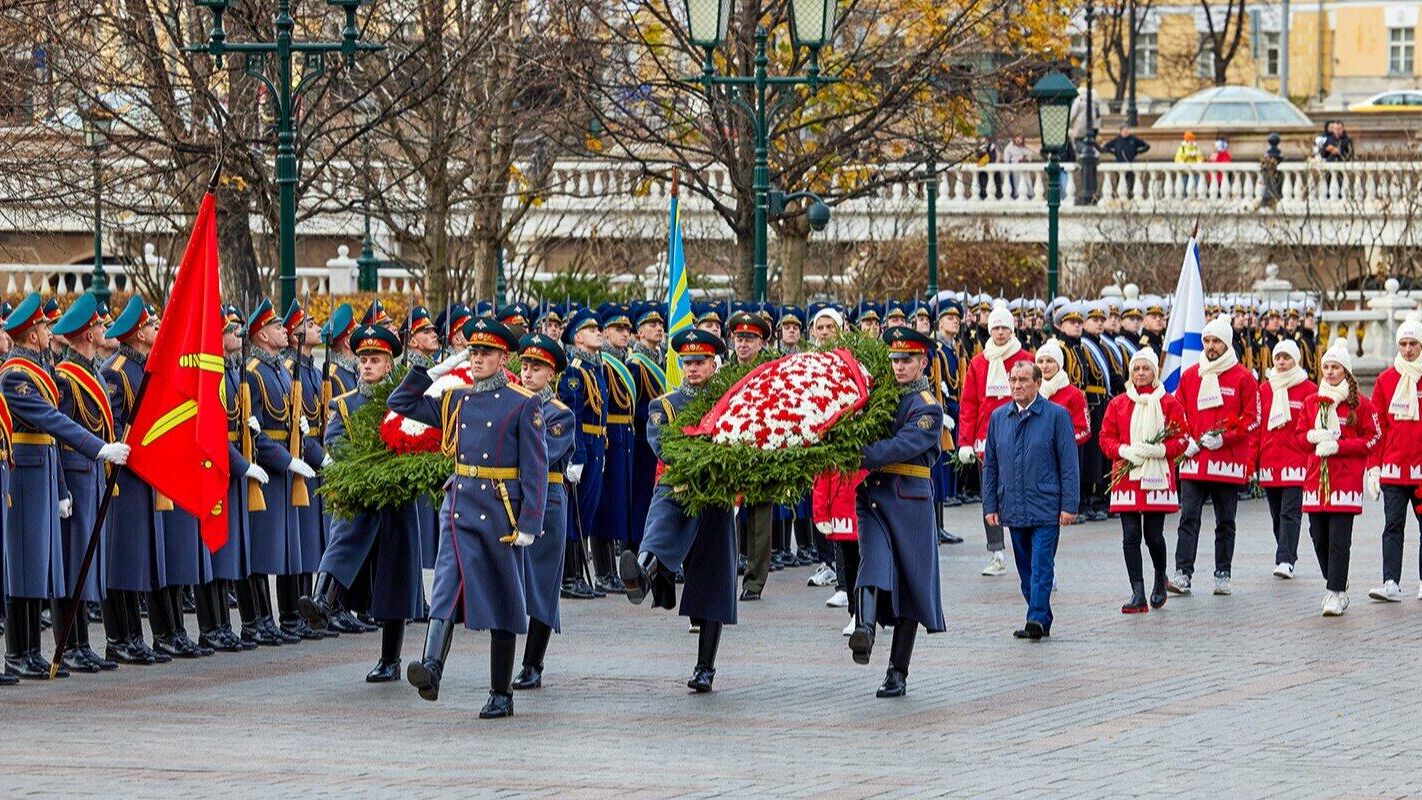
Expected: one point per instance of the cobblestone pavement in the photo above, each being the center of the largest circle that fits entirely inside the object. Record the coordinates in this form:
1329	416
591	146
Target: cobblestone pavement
1252	695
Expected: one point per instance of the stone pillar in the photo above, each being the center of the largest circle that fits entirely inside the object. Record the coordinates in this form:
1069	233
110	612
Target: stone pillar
341	272
1382	333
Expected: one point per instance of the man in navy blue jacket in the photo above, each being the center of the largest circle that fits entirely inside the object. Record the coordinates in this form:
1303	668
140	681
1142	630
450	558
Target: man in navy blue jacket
1030	477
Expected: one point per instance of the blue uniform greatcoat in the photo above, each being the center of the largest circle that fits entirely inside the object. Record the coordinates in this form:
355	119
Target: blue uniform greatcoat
544	562
613	519
233	561
492	425
276	532
34	547
386	542
311	518
649	376
702	546
583	389
137	554
83	397
898	540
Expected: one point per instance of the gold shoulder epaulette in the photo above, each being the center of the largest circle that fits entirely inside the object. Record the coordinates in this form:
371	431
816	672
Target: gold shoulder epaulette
523	390
252	363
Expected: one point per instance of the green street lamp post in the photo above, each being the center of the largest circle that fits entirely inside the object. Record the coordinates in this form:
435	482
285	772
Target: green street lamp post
1054	94
367	265
812	24
284	93
98	124
932	191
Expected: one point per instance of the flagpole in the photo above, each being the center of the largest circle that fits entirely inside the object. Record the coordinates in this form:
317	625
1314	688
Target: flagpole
93	546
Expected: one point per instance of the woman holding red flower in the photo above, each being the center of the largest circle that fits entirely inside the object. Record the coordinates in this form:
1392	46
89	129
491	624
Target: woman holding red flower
1281	471
1339	427
1143	432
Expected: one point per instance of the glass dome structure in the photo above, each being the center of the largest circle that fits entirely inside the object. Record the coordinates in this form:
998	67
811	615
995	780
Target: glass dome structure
1233	107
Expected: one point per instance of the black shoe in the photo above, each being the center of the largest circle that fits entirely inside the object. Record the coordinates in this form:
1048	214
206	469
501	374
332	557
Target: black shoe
500	705
74	660
139	644
202	650
257	634
368	622
1034	630
174	647
273	629
894	685
577	589
215	641
952	502
300	630
861	641
1137	603
384	672
701	679
124	653
21	667
94	613
317	608
425	674
747	595
104	664
6	679
609	584
1158	592
636	576
530	677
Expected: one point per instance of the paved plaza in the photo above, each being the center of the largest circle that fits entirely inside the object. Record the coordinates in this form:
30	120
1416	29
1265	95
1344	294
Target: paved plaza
1253	695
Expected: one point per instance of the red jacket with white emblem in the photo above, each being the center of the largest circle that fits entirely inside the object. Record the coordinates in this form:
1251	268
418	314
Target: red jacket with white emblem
1281	462
1127	494
1399	454
1074	401
1237	422
1344	490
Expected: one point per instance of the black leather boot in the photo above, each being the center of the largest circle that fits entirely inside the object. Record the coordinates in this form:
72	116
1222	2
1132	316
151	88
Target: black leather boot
116	631
900	651
388	667
177	603
501	661
637	571
425	673
288	603
861	641
73	658
162	618
214	628
1137	603
81	643
534	648
708	641
17	641
317	607
262	591
1157	592
132	603
249	608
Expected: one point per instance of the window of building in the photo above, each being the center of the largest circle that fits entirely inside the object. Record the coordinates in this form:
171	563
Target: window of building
1270	65
1147	55
1400	44
1205	57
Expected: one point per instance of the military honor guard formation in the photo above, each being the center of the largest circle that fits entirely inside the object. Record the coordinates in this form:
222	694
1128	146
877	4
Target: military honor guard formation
557	429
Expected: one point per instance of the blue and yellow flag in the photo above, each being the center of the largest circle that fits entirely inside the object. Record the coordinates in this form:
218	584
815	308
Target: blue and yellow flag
678	298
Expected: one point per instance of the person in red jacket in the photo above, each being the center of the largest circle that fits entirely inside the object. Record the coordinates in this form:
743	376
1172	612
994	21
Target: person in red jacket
1221	402
1280	462
1056	386
1143	433
1395	468
833	511
1337	427
984	390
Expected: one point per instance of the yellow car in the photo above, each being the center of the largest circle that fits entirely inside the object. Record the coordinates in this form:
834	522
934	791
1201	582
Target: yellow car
1390	103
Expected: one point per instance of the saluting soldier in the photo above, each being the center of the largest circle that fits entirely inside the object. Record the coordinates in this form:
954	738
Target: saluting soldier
898	580
493	506
385	543
702	546
275	422
647	361
541	359
583	389
34	544
612	522
302	334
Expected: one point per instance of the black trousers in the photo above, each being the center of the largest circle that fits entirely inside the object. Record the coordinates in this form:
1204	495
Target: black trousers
846	568
1396	501
1149	525
1286	512
1333	543
1193	494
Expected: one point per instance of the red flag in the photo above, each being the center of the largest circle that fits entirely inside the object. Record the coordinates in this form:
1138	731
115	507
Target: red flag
179	430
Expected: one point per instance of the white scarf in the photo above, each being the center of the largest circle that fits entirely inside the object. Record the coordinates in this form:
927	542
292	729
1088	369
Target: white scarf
997	356
1404	396
1147	423
1327	419
1052	385
1210	395
1281	383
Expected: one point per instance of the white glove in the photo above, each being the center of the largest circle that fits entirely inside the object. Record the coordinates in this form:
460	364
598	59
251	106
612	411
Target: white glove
1315	436
299	467
523	540
258	474
449	364
1325	448
326	461
114	453
1131	453
1192	449
305	426
1212	441
948	422
1156	450
966	455
1372	483
66	508
254	424
824	527
575	473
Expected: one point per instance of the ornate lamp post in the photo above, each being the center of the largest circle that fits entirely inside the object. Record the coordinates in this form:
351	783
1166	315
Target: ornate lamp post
1054	94
1089	156
98	125
367	265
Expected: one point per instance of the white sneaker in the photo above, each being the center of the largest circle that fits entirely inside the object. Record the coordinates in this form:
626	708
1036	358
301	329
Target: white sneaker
1342	602
838	600
848	629
995	566
1222	584
693	628
1284	571
1419	591
1334	603
824	576
1179	583
1389	592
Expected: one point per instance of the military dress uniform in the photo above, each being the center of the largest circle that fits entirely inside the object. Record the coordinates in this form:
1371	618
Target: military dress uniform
231	563
583	388
946	382
496	497
612	522
702	546
650	379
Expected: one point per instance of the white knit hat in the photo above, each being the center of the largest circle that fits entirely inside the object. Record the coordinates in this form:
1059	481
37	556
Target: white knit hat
1289	347
1000	318
1411	328
1220	328
1147	355
1052	349
832	314
1338	354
